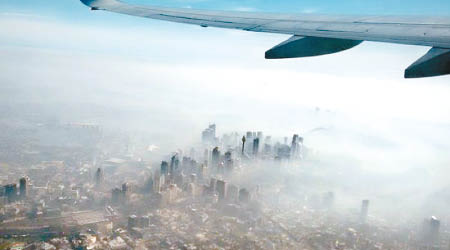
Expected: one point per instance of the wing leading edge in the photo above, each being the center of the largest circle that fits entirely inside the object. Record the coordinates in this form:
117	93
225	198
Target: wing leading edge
315	34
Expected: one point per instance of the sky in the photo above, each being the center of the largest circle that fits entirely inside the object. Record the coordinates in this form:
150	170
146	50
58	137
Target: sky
70	62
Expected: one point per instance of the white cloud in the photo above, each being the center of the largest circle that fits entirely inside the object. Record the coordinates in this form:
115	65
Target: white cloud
364	80
191	76
245	9
309	10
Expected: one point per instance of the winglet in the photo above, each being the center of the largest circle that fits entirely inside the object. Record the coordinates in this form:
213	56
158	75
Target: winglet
435	63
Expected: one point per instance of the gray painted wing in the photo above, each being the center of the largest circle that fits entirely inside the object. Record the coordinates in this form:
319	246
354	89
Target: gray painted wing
426	31
314	35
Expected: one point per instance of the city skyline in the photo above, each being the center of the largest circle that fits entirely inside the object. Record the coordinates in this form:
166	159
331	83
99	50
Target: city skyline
123	133
109	193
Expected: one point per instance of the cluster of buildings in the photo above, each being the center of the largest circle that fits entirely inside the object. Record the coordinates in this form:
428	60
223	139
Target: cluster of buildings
254	145
216	197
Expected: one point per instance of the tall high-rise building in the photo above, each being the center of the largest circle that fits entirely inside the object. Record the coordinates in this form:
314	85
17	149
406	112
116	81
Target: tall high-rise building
164	168
158	182
201	171
174	164
11	192
221	189
249	142
124	192
364	210
116	196
435	225
209	134
430	235
98	177
206	155
229	163
249	135
212	185
243	144
22	188
148	185
294	146
255	146
299	150
215	158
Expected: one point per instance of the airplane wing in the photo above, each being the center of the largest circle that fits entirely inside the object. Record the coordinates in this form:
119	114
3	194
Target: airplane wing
314	35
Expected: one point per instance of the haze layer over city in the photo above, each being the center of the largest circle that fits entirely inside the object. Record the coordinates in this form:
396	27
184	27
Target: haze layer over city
125	133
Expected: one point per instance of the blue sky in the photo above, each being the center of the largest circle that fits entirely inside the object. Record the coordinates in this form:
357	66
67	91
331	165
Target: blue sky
71	9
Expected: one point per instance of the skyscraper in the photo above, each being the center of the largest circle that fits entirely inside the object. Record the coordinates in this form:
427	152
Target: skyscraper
158	182
98	177
294	146
124	192
255	146
23	188
116	196
243	144
249	140
249	135
220	189
174	162
148	186
212	185
11	192
215	157
164	168
209	134
364	210
229	163
206	155
435	225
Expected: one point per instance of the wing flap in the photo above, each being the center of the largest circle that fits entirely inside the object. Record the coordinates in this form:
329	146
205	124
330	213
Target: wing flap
435	63
298	46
